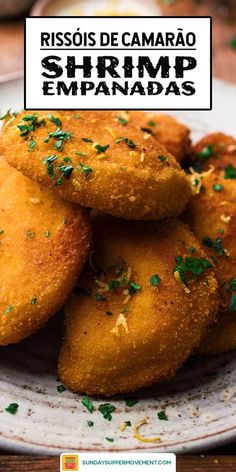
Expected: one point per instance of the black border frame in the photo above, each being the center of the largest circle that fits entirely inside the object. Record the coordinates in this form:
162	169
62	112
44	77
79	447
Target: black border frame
116	109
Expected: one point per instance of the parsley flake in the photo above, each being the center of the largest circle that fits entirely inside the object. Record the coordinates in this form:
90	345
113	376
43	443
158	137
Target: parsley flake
101	149
109	439
106	409
85	169
48	161
29	123
47	234
8	309
230	172
86	140
61	388
66	171
134	288
29	234
33	300
88	404
162	416
12	408
154	280
130	402
232	284
217	244
55	120
217	187
232	43
90	423
61	136
151	123
129	142
193	265
232	304
162	158
122	120
32	145
206	152
127	423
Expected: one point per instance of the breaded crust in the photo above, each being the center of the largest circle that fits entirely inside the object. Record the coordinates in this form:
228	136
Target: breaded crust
43	245
169	132
212	217
135	321
216	149
97	161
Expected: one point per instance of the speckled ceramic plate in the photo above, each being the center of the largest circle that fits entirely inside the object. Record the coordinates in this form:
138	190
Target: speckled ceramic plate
200	401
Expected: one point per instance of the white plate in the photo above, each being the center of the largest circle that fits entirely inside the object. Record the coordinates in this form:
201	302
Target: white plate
200	402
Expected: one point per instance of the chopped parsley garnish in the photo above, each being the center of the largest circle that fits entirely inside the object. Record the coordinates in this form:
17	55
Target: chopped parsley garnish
77	115
162	158
217	187
85	169
49	163
127	423
90	423
86	140
232	284
100	297
47	234
12	408
101	149
193	265
162	416
30	123
147	130
8	309
33	300
109	439
129	142
29	234
232	304
32	144
122	120
131	402
88	404
231	287
55	120
217	244
230	172
6	115
154	280
206	152
1	231
61	388
191	249
106	409
66	171
60	136
151	123
134	288
221	230
232	43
